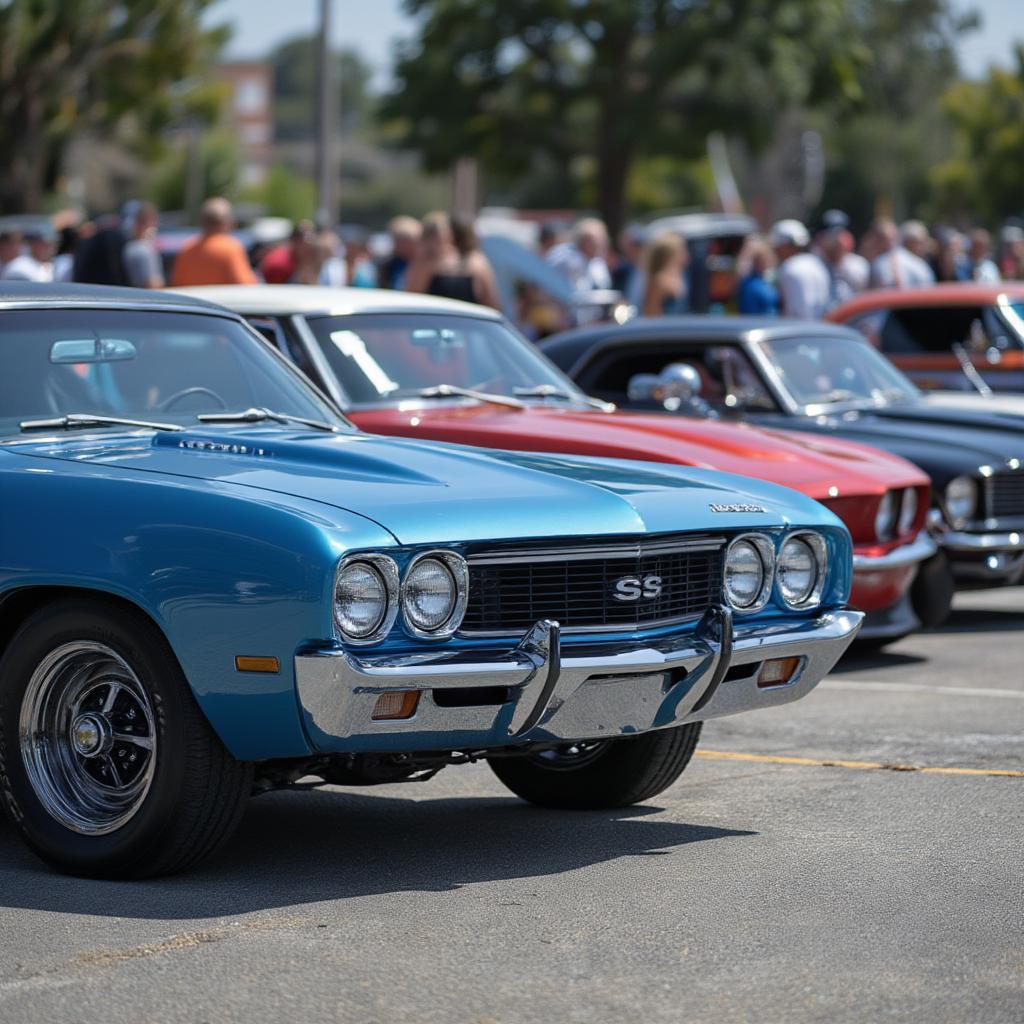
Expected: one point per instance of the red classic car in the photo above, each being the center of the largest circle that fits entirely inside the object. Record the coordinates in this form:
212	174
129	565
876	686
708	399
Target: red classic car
960	337
421	367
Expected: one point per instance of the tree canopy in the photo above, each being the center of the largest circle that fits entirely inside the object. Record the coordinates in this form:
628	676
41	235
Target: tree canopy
984	176
294	66
90	65
591	86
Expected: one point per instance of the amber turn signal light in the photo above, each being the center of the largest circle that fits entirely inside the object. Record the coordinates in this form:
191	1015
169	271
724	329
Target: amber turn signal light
778	671
246	663
400	704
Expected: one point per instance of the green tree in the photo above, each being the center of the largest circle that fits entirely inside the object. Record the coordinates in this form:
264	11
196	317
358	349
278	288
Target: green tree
294	67
880	151
69	66
593	86
985	177
219	163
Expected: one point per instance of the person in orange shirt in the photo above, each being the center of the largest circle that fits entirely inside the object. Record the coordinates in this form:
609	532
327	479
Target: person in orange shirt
214	256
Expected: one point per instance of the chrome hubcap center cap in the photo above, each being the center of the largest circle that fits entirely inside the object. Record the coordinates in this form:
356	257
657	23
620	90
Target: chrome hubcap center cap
90	734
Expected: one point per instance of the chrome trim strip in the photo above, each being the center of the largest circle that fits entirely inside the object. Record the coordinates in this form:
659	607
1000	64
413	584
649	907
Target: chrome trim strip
630	550
595	628
921	547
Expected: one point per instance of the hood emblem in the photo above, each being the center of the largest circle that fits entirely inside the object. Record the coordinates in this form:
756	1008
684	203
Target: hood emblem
737	508
219	446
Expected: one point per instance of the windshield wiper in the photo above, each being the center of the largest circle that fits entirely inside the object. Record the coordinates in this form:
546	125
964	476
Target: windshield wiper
261	415
550	391
453	390
86	419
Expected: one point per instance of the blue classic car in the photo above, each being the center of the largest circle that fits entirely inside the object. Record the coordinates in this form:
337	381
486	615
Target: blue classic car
212	585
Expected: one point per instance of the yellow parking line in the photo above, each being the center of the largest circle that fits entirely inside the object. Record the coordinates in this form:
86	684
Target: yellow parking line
731	755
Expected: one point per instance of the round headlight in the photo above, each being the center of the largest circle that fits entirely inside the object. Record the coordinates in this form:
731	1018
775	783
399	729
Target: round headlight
908	510
885	517
961	500
361	599
434	593
801	569
797	571
747	568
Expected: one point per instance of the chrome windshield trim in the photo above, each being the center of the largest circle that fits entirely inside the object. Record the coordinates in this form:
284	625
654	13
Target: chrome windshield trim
637	549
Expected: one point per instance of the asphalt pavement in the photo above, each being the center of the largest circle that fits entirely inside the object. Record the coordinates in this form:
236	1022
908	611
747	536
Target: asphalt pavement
854	857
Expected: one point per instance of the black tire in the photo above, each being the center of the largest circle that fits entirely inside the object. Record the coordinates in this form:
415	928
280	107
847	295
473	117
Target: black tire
195	793
931	593
613	773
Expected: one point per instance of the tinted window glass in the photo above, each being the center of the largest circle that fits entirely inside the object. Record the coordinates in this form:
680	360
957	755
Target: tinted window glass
391	355
159	366
939	328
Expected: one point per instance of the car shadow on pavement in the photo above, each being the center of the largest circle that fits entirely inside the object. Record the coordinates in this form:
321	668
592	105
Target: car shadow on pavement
982	620
296	848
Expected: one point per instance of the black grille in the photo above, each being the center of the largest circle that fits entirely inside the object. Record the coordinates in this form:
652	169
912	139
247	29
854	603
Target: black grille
579	591
1006	495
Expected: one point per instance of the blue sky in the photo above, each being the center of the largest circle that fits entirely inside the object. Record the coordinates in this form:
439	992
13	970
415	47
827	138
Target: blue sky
372	26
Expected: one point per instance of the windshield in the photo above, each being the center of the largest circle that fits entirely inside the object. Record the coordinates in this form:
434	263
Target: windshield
141	364
388	356
835	371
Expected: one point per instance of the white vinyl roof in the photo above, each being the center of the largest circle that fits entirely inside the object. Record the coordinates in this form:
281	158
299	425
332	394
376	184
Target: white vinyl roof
283	299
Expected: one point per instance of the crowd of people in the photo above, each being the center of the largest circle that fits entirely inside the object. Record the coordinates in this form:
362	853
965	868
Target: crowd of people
787	271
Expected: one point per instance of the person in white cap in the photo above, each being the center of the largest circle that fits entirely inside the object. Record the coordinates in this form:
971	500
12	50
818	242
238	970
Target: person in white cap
803	280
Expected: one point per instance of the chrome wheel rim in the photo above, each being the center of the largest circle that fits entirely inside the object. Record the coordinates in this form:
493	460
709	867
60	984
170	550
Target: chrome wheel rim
572	756
88	738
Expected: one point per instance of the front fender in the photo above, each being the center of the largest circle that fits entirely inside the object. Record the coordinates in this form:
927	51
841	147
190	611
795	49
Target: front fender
222	571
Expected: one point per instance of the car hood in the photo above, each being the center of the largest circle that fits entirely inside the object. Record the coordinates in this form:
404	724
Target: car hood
817	466
940	439
430	493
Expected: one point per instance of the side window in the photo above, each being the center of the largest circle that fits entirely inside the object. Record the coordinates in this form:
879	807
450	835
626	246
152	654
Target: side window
280	336
928	329
729	382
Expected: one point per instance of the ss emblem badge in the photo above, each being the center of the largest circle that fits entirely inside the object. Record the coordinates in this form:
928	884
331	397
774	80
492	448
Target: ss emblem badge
632	588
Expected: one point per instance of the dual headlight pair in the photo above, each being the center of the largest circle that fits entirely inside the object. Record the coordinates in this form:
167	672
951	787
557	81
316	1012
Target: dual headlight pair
752	569
896	513
369	593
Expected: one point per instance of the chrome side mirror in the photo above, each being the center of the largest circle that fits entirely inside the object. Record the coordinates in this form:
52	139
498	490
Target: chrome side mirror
680	381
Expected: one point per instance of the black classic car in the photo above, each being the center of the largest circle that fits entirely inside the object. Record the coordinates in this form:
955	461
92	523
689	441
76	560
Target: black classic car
826	379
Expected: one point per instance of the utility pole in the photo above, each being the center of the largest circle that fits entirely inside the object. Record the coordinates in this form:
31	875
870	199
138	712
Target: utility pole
326	123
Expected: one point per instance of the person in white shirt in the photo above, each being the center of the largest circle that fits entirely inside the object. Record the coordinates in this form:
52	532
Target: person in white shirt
803	281
897	266
582	260
34	264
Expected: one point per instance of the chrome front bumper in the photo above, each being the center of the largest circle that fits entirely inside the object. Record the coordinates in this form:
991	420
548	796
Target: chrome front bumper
920	548
979	558
590	692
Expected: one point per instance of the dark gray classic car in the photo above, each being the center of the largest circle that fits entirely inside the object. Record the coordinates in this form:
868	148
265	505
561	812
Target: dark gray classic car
826	379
